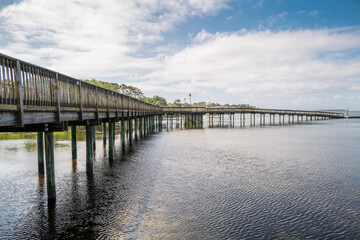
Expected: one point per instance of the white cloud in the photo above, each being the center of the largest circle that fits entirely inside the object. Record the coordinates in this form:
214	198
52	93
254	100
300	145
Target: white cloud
229	18
110	40
93	38
314	13
264	63
337	96
300	12
258	4
275	19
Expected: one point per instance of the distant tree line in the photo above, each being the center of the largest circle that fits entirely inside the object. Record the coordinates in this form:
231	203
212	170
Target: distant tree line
135	92
178	103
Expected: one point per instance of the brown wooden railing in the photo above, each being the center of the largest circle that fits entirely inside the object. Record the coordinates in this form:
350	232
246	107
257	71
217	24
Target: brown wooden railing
203	110
25	87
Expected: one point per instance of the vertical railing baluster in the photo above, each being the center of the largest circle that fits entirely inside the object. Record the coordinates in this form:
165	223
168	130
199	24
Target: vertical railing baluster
7	97
44	87
57	97
48	93
39	86
31	80
52	97
23	82
97	103
6	82
13	100
36	78
1	87
19	92
81	103
28	84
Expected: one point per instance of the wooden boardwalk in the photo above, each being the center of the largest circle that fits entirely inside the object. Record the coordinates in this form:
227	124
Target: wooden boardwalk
36	99
31	95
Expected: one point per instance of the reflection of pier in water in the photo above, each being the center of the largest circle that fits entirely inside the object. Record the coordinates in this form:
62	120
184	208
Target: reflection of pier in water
36	99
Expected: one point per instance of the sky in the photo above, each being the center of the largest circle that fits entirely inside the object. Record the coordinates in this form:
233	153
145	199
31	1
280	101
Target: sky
294	54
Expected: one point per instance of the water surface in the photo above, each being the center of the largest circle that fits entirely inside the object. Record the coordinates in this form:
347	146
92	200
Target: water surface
271	182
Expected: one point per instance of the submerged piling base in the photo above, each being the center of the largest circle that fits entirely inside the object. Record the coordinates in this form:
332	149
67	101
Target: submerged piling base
111	140
40	148
73	142
89	148
50	165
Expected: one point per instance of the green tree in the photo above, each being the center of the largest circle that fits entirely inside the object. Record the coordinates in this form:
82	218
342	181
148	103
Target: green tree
111	86
131	91
199	104
176	103
127	90
155	100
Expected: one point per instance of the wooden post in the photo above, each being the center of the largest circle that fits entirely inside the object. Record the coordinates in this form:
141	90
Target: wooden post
143	123
81	103
181	120
160	123
97	105
130	131
172	122
58	113
141	127
73	142
50	165
89	148
122	134
40	148
136	128
104	133
94	138
111	140
114	132
19	94
167	122
260	119
155	122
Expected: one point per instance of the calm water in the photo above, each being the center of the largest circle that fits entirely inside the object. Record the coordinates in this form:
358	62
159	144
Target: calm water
274	182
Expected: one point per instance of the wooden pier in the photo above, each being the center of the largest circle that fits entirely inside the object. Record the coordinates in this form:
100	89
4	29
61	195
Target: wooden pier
36	99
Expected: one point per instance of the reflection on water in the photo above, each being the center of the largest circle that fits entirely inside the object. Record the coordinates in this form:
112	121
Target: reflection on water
273	182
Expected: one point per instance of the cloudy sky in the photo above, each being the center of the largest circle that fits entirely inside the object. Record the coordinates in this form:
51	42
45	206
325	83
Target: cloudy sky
269	53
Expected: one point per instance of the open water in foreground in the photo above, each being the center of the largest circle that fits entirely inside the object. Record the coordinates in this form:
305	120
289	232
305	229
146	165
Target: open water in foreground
273	182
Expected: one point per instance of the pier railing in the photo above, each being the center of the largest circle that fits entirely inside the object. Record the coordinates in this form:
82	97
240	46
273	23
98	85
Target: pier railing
54	97
204	110
27	87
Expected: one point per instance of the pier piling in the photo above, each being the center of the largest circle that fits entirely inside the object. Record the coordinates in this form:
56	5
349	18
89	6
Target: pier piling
89	148
104	133
73	142
40	148
111	140
50	165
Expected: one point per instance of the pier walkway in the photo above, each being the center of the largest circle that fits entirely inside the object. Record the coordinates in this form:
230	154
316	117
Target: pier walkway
36	99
